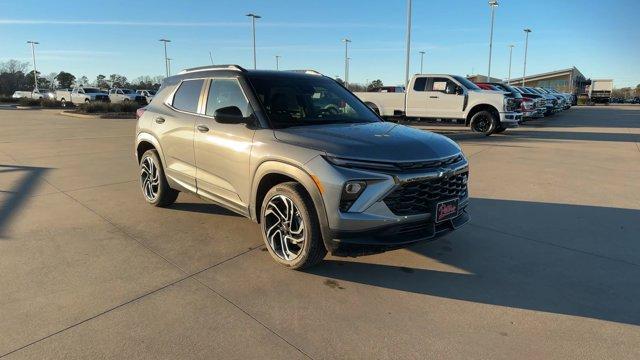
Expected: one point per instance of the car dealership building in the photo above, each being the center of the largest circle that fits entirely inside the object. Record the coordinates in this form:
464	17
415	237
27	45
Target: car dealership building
568	80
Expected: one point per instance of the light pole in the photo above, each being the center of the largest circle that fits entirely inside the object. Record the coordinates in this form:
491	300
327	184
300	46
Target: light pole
421	60
35	72
211	57
253	24
526	47
348	66
169	66
346	42
493	4
166	61
406	65
510	56
278	62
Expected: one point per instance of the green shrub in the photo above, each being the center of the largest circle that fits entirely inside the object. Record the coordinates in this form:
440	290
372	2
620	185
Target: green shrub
28	102
51	104
104	107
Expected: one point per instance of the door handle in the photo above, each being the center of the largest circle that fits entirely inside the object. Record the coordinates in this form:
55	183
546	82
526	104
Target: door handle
202	128
159	120
433	97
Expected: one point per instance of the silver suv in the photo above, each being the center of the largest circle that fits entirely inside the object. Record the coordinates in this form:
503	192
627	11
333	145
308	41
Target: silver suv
301	155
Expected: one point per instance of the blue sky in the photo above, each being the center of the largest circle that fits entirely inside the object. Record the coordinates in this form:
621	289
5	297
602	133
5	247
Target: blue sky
601	38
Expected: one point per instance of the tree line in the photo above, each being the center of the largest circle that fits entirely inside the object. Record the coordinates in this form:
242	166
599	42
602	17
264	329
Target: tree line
14	76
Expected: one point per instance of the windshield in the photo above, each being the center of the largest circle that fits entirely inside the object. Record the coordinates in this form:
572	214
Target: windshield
91	90
151	92
510	89
466	83
127	91
308	100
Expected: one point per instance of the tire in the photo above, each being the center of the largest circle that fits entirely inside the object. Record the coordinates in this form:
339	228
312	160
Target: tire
63	103
500	129
86	101
301	225
484	122
155	189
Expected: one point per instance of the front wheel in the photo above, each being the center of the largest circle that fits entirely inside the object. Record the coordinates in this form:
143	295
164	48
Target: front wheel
63	103
484	122
153	183
290	227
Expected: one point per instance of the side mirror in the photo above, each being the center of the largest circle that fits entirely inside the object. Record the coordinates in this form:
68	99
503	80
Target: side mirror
229	115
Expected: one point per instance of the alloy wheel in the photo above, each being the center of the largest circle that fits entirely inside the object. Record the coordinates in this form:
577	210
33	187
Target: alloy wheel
284	228
149	178
482	124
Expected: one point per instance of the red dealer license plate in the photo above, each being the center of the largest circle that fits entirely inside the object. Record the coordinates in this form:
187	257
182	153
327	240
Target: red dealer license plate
446	210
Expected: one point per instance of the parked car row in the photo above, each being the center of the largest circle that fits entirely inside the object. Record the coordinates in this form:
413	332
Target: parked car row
83	94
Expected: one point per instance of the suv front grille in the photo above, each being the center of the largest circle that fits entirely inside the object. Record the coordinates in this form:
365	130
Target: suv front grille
419	197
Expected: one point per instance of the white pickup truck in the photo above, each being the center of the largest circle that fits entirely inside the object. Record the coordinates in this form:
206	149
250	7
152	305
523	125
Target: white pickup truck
35	94
80	95
117	95
437	96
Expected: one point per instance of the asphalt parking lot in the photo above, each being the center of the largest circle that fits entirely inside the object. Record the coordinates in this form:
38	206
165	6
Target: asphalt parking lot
549	266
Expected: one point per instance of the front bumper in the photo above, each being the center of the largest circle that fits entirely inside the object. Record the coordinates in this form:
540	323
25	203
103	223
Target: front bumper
390	237
510	119
370	223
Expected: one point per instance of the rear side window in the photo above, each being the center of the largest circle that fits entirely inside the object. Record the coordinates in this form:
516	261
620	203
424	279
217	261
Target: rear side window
224	93
188	95
420	84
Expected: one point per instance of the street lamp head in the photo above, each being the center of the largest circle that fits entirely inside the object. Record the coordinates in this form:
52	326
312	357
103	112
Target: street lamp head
33	42
511	46
422	52
254	16
527	30
165	40
493	3
346	40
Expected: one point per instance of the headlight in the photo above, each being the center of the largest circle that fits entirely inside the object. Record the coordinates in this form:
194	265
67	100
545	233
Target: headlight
361	164
350	193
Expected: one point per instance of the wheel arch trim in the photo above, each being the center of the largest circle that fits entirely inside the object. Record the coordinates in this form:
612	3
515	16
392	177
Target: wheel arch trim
301	176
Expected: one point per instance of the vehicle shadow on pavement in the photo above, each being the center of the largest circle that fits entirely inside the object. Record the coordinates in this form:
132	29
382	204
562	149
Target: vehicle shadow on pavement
15	198
556	258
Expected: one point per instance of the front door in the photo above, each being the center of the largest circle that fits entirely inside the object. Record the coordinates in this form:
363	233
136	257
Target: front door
223	151
445	98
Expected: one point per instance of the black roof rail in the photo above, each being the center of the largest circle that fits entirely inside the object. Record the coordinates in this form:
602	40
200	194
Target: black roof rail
214	67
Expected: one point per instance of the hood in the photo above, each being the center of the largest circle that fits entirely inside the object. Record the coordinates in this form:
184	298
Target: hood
379	141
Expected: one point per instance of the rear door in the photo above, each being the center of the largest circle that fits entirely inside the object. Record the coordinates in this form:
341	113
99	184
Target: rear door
417	98
223	151
445	98
174	124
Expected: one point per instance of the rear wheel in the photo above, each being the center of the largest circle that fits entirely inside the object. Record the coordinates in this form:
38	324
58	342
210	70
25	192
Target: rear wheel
63	103
290	227
153	183
484	122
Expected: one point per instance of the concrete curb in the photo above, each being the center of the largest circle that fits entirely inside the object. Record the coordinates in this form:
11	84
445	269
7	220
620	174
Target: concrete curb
19	107
79	116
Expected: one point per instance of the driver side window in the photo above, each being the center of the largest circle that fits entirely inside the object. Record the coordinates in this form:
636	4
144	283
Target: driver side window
224	93
442	85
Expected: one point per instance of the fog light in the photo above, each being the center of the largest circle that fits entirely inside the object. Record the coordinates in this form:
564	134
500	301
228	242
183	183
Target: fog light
353	188
350	193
